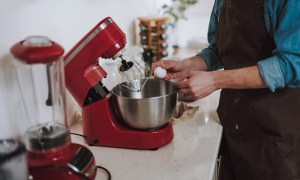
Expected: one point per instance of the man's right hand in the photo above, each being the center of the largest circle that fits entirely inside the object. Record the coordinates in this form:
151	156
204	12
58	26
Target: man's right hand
170	66
194	63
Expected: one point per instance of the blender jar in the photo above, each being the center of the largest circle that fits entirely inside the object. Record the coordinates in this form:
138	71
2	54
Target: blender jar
40	72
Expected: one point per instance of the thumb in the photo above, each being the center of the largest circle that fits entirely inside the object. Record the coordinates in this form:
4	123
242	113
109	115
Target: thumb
180	76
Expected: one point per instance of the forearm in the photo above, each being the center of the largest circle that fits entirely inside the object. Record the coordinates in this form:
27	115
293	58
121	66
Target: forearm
244	78
195	63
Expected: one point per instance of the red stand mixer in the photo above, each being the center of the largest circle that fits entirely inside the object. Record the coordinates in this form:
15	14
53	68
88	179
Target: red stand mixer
50	152
83	74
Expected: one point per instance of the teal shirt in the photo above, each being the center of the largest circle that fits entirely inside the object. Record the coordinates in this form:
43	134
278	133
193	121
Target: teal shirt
282	20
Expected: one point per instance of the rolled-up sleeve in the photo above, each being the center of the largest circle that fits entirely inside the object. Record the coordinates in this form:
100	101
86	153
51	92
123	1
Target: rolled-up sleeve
271	73
283	68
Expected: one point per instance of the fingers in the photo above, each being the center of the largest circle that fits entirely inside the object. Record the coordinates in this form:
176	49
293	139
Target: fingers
183	85
184	91
187	95
157	64
165	64
181	76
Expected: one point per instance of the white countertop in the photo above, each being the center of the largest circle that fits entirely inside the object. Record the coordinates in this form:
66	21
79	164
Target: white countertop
191	155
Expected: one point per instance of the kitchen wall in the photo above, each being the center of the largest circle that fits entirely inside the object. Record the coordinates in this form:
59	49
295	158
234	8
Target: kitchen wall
66	21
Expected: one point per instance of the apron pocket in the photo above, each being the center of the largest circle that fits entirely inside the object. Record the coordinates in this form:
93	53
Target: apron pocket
273	129
261	130
253	155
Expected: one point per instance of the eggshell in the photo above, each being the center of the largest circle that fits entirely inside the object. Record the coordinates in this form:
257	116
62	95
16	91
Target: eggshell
160	73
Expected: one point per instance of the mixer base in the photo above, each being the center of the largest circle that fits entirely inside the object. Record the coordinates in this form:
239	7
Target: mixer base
100	122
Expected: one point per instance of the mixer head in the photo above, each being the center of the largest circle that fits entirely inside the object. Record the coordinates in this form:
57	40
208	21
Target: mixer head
82	73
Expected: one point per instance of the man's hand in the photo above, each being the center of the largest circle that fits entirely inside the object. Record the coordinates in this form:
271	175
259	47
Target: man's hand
195	63
198	84
170	66
195	84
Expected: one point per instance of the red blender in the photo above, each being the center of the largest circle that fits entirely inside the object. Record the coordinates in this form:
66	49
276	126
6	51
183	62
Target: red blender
50	152
83	74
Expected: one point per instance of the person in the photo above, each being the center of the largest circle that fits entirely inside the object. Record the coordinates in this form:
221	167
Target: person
256	44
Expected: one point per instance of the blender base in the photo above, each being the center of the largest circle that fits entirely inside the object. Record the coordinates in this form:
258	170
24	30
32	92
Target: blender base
100	123
60	163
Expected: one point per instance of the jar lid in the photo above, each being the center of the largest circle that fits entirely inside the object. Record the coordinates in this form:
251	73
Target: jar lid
37	49
37	41
47	136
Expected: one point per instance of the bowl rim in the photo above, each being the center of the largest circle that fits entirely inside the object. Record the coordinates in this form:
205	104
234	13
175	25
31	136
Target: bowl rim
155	97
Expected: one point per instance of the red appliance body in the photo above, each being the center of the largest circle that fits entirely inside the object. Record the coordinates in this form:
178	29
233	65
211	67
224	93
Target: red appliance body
82	71
101	122
83	76
57	163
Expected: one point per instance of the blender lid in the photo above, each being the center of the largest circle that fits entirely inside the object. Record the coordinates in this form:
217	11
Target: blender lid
47	136
37	49
10	148
37	41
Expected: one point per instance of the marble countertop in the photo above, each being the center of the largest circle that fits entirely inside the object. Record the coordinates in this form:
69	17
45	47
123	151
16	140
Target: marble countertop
191	155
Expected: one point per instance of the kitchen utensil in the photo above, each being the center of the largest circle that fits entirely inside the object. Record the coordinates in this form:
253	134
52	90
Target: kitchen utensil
149	109
117	74
153	35
84	78
50	152
13	164
130	71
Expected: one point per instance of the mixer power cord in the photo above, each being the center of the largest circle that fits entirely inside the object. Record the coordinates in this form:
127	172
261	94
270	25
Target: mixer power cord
93	141
105	170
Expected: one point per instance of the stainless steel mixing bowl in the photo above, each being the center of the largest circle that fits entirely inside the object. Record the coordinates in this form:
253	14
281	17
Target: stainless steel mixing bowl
148	109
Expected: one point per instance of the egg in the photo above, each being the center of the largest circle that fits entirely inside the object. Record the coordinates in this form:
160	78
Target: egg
160	72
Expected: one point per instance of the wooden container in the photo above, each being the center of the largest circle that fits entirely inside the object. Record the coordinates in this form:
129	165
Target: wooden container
153	35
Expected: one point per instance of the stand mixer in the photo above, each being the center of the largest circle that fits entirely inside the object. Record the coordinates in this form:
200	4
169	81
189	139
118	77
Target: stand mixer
50	152
84	76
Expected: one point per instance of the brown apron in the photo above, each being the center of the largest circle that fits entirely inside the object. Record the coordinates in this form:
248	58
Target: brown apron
261	139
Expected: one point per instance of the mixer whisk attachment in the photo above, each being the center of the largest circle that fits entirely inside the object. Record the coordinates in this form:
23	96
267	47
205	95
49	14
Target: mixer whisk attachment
125	65
129	71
